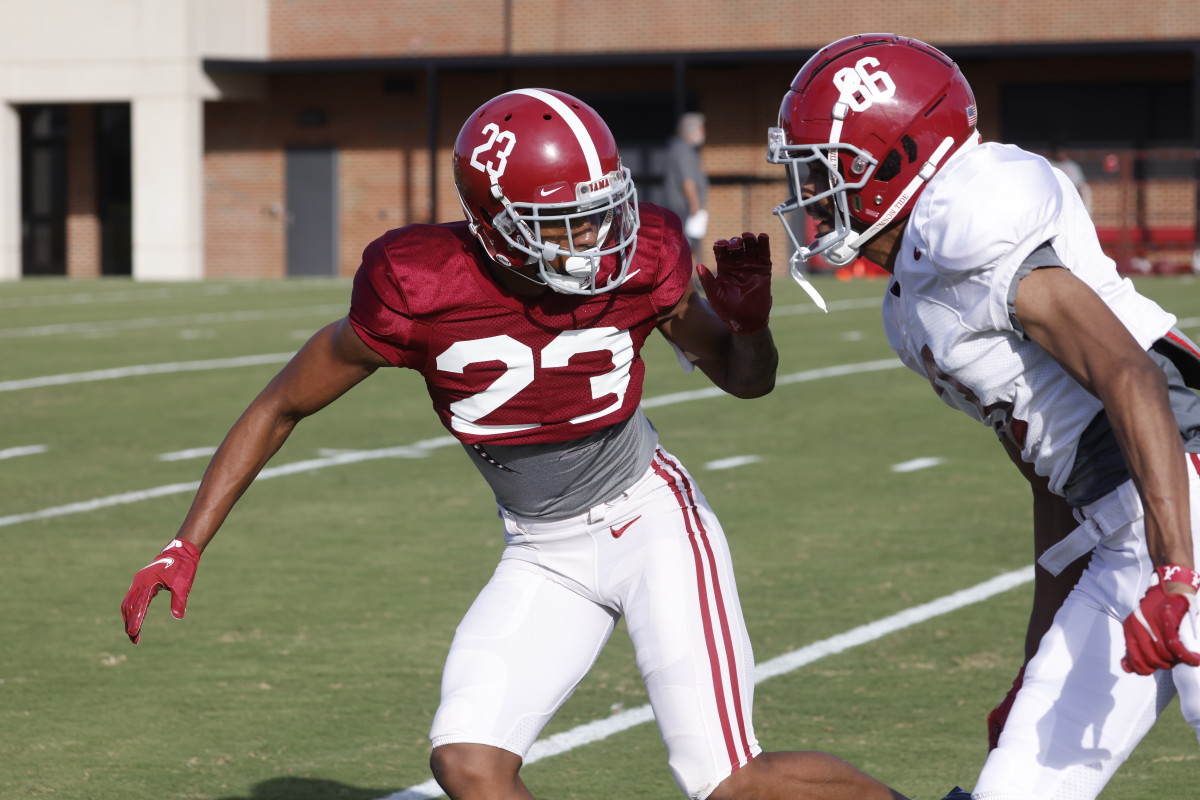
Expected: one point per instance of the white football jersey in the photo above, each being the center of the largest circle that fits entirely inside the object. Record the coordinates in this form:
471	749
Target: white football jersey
948	311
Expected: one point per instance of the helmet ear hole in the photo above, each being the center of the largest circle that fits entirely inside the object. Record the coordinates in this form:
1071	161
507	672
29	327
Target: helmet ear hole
890	167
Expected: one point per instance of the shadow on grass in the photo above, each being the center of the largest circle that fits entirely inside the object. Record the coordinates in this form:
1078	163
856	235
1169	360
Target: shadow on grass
311	789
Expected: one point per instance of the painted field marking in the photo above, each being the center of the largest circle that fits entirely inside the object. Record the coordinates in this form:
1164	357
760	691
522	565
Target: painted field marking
733	461
836	305
184	455
28	450
188	320
415	450
780	665
916	464
143	369
189	290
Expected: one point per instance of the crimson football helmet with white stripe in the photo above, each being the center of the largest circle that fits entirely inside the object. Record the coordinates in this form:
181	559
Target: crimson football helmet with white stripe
877	115
534	161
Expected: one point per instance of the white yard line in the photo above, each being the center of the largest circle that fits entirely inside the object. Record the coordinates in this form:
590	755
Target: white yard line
28	450
416	450
835	305
190	453
916	464
782	380
732	462
185	290
142	369
780	665
181	321
412	451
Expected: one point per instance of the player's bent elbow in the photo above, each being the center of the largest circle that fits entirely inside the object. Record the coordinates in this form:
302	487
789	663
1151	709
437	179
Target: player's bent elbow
750	391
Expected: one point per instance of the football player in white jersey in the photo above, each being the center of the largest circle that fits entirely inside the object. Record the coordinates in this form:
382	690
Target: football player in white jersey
1003	299
526	320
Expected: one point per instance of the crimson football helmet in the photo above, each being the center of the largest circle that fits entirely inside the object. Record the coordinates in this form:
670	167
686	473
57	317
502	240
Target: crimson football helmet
540	178
877	115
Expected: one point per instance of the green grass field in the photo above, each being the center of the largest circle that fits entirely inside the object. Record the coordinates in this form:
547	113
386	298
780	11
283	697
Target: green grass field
308	665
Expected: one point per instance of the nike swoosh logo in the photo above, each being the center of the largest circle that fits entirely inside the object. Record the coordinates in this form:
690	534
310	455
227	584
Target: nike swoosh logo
548	192
168	561
628	277
616	532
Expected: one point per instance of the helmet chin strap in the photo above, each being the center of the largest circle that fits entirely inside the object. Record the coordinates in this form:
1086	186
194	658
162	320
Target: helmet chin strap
801	277
842	253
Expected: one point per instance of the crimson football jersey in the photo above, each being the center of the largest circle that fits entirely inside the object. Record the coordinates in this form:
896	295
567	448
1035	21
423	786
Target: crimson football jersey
511	370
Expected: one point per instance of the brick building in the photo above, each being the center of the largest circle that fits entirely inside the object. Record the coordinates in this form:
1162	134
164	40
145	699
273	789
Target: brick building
181	139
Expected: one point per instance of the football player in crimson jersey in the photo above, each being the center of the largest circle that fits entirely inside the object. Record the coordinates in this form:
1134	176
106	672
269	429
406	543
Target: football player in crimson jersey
1003	299
526	321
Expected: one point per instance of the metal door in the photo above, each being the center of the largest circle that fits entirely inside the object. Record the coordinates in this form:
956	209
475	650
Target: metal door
312	209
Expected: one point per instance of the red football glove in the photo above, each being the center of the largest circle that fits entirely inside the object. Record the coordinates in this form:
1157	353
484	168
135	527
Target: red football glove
740	292
1152	633
999	715
173	570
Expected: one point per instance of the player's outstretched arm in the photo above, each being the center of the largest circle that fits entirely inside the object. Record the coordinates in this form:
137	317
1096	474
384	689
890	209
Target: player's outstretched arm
1070	321
726	333
328	365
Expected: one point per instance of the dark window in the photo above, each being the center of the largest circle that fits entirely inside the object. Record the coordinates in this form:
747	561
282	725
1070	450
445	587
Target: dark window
43	190
114	189
641	122
1136	114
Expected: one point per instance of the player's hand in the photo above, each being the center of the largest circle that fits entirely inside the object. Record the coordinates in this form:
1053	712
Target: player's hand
740	292
1152	640
173	570
999	715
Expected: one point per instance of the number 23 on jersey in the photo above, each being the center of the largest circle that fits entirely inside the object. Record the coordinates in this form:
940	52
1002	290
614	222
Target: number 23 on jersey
522	367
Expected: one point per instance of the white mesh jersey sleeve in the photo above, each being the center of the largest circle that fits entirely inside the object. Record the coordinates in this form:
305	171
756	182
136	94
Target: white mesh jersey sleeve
948	312
982	217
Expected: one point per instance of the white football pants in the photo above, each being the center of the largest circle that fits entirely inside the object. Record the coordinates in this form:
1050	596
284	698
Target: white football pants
1078	714
656	555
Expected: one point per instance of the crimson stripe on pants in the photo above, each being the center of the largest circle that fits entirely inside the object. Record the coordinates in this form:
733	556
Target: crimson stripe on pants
1182	342
698	538
1195	462
735	683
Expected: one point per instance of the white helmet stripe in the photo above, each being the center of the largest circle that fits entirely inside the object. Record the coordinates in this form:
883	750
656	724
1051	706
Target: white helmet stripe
585	140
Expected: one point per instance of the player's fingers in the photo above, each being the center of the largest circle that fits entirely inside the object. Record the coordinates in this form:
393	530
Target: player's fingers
734	255
1136	639
707	279
764	249
1135	662
134	611
750	245
178	602
1180	653
1188	657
